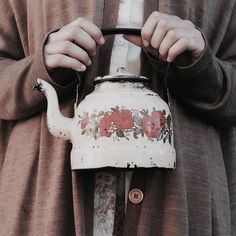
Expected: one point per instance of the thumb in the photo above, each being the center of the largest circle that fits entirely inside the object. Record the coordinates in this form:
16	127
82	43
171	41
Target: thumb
134	39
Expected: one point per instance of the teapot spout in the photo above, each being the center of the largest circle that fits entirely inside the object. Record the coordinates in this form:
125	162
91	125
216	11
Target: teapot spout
58	125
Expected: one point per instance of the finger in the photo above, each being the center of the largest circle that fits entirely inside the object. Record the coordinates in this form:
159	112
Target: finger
149	27
63	61
164	25
169	40
77	35
179	47
91	29
70	49
137	40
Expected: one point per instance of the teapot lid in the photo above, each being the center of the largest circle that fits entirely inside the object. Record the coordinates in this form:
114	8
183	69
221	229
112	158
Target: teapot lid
121	75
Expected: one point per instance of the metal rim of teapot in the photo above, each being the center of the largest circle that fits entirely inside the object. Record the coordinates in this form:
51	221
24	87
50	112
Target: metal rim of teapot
121	78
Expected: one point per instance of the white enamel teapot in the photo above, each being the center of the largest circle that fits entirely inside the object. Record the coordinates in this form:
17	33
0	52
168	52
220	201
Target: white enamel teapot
122	123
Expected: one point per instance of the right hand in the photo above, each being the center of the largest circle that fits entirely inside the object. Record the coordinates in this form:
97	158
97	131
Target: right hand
73	45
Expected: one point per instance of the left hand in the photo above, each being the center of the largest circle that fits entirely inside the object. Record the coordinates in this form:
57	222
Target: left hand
168	36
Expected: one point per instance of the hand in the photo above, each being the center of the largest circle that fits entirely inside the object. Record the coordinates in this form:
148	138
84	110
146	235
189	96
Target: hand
167	36
73	45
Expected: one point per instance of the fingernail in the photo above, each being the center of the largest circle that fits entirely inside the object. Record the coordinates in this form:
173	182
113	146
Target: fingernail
168	59
89	63
82	67
145	43
102	40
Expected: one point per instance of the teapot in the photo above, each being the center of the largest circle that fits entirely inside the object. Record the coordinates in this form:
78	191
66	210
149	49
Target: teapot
121	124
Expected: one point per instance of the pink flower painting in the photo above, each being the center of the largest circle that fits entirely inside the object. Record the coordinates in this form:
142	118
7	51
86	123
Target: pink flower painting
122	119
105	125
125	123
154	124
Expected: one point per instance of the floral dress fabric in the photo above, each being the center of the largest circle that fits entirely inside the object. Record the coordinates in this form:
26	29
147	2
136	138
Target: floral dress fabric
110	197
104	203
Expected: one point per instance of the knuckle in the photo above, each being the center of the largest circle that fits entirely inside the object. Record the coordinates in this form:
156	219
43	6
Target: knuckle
92	46
97	32
144	33
57	61
51	37
73	32
198	34
62	28
75	63
85	57
172	35
155	43
155	14
80	20
176	18
83	54
189	23
163	23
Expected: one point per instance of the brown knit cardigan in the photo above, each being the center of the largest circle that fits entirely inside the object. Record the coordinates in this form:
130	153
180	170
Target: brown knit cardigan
40	195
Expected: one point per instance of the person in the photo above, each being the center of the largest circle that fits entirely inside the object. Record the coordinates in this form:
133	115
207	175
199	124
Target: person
39	194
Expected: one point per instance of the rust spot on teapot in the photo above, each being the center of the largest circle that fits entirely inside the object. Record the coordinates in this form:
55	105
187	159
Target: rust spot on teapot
38	86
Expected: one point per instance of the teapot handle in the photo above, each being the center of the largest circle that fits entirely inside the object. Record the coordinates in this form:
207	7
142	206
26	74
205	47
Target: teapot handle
129	31
107	31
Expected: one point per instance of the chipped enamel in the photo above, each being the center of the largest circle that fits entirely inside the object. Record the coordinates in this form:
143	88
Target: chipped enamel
120	124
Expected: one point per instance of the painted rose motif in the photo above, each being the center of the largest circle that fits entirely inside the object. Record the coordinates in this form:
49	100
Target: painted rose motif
126	123
154	124
122	119
105	125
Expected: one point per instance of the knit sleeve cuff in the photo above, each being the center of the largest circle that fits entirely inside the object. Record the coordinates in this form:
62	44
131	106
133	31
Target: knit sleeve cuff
60	78
196	68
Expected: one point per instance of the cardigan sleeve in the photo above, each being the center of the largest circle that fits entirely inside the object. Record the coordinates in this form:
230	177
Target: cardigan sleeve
20	70
208	87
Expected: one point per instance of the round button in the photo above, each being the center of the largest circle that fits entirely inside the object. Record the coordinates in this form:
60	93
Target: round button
136	196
